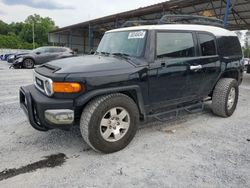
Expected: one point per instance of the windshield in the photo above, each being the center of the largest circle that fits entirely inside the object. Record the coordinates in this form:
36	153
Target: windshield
41	49
129	43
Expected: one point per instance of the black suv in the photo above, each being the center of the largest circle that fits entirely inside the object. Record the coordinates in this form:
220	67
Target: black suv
136	73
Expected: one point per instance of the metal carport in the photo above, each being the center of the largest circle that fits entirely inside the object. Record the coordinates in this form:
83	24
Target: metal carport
86	35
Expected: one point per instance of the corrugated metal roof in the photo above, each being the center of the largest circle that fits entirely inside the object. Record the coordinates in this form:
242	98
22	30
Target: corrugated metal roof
239	15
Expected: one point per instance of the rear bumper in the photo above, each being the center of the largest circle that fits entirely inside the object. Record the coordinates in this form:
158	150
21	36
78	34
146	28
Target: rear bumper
34	104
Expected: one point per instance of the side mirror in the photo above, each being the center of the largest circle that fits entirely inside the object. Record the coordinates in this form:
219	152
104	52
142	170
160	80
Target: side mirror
38	53
91	52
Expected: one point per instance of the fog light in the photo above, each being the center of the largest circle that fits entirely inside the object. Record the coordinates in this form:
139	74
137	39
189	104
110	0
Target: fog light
60	116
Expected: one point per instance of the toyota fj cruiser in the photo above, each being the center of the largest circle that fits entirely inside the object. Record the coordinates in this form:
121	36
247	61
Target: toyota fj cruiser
136	73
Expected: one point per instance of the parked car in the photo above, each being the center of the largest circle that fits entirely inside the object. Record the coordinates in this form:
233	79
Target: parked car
136	73
11	58
4	57
41	55
247	64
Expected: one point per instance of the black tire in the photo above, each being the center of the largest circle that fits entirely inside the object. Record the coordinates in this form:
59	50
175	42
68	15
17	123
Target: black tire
94	112
221	95
28	63
248	69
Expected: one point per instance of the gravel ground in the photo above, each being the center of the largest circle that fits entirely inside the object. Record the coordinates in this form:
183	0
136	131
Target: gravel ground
199	150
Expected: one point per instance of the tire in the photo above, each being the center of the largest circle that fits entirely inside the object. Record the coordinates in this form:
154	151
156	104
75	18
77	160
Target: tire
101	109
222	103
28	63
248	69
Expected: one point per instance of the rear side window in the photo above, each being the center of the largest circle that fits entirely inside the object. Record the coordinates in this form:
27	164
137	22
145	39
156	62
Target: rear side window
229	46
46	50
56	50
174	45
207	44
52	50
63	50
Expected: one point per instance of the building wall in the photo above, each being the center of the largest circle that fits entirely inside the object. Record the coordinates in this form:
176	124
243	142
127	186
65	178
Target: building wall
75	40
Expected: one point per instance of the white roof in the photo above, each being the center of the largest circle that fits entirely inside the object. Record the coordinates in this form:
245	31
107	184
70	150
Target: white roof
217	31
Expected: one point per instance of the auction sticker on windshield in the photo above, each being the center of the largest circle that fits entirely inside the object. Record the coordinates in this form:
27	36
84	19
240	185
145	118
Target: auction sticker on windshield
136	35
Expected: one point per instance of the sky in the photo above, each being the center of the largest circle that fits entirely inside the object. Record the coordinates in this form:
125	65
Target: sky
65	12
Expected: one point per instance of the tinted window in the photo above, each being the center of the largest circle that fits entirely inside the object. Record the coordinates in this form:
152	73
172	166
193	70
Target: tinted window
57	50
52	50
207	44
229	46
47	50
174	45
63	50
41	50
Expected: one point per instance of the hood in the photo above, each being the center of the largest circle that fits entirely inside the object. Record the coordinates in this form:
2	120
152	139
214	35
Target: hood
90	63
21	54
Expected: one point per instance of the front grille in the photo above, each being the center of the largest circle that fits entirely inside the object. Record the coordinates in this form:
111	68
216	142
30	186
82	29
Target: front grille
39	82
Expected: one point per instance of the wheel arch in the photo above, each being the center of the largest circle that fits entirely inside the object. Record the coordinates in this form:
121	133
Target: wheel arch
134	92
29	58
231	73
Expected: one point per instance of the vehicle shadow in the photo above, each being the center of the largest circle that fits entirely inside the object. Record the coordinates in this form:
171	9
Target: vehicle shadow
72	139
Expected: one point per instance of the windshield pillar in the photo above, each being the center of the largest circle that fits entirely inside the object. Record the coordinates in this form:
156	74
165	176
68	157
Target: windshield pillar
90	38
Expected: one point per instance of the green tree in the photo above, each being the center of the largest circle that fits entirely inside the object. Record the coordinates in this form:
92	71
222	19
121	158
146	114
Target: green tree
19	34
4	28
14	42
16	27
42	26
246	48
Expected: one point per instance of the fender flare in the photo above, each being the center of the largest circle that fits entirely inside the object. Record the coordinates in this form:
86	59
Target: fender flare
239	76
85	98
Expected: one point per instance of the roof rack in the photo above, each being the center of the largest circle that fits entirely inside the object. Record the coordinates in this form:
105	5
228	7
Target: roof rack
139	22
177	19
190	19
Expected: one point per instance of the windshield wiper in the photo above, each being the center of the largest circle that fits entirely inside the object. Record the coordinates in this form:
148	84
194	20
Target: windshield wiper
104	53
124	55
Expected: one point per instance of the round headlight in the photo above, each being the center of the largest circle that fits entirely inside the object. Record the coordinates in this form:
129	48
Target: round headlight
48	87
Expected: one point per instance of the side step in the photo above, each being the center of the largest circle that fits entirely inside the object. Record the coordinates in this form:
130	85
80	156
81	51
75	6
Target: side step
173	114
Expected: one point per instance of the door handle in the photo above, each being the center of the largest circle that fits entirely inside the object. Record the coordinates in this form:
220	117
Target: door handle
163	64
195	67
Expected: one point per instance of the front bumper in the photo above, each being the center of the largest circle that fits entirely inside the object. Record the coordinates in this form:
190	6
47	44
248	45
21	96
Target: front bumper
35	104
11	60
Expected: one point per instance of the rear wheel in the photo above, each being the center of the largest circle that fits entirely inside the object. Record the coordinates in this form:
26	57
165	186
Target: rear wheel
109	122
28	63
225	97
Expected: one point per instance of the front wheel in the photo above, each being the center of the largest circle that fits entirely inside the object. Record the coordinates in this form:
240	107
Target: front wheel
225	97
28	63
108	123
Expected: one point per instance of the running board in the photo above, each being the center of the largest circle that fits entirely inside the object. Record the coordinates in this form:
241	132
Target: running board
173	114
